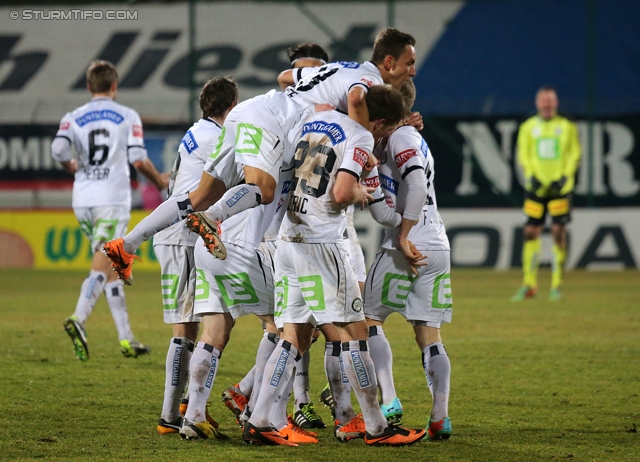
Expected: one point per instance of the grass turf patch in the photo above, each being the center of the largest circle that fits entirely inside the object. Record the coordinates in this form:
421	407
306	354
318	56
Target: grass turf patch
533	380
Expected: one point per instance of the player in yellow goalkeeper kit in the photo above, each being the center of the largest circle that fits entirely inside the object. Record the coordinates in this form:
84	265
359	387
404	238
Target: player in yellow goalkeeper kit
549	153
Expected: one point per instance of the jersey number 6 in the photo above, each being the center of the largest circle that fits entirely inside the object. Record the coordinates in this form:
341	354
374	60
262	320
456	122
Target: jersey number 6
94	149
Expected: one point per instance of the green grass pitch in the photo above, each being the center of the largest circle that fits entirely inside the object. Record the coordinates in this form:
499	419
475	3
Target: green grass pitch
530	381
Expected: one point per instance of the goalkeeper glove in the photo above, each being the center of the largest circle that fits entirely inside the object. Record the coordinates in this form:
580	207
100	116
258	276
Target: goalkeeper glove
557	186
534	184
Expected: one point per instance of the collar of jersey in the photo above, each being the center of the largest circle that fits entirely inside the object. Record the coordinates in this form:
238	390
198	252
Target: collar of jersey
208	119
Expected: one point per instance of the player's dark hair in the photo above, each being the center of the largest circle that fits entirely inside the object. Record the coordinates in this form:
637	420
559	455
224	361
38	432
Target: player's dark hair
392	42
408	92
100	76
218	95
307	50
385	102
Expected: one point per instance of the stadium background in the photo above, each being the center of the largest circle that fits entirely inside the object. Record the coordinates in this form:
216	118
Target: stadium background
479	65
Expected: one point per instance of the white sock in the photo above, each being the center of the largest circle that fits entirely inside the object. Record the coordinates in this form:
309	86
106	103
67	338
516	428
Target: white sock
235	200
362	376
176	376
277	373
338	382
114	292
166	214
437	368
382	358
301	382
203	368
90	291
246	384
279	413
266	347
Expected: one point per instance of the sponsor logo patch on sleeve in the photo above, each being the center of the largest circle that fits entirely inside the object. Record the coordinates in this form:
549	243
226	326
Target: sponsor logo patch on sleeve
402	157
137	131
372	182
360	156
366	81
65	125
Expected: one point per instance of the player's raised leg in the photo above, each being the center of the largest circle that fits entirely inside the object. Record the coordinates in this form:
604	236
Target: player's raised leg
121	251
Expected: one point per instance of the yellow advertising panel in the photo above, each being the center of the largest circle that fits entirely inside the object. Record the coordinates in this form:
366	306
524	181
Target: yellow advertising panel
53	239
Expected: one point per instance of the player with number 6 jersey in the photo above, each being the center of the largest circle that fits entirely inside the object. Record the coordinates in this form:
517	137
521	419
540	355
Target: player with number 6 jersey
106	136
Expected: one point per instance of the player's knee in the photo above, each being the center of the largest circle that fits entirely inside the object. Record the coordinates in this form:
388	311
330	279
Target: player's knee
531	232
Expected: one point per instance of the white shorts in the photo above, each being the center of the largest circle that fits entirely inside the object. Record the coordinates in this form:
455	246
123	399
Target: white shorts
392	287
268	249
355	254
316	284
102	224
178	282
240	284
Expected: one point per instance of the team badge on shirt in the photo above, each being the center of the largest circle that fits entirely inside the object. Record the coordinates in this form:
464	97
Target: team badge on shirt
360	156
404	156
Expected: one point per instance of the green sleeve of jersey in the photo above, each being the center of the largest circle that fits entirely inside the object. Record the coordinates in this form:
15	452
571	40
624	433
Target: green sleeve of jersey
525	149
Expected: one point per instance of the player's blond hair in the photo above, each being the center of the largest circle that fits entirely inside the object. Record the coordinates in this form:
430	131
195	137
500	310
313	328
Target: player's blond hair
100	76
408	92
392	42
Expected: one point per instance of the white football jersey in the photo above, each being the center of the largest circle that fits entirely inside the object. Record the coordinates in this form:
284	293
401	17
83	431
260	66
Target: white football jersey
332	82
330	142
406	151
329	84
107	136
194	150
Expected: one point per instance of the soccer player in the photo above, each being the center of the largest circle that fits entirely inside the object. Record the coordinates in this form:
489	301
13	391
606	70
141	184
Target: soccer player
423	297
174	247
226	290
305	415
318	284
549	154
257	133
106	136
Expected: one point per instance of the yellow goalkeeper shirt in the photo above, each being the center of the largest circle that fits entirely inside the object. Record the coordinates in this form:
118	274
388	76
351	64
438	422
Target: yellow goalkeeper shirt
548	150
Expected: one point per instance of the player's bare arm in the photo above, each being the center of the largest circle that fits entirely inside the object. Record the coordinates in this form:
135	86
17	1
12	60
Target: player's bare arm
357	106
285	79
348	190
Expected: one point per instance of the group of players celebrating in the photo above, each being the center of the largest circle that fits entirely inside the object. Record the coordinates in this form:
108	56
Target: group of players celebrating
257	222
